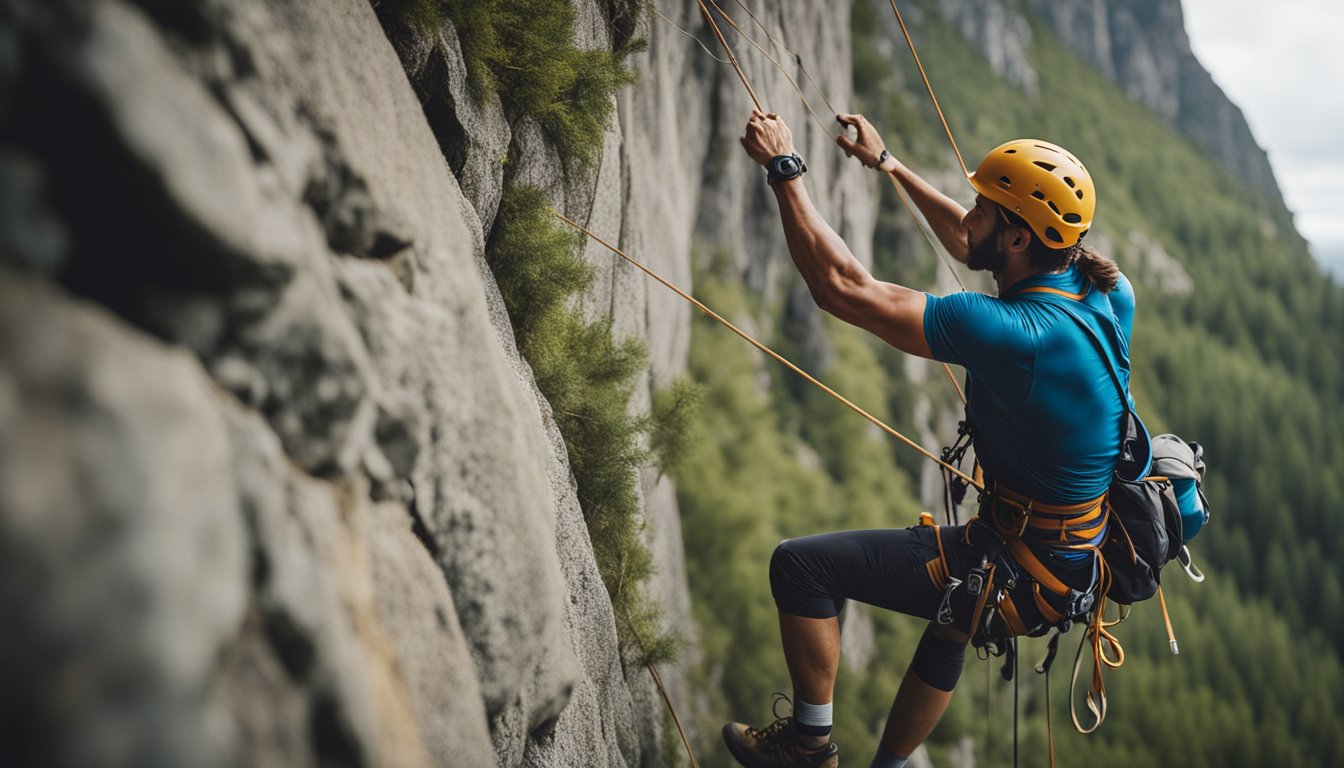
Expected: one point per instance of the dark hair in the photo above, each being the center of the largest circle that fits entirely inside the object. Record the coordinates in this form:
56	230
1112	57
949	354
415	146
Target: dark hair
1099	270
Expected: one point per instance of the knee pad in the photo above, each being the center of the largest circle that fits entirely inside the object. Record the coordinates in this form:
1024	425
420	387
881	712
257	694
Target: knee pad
938	661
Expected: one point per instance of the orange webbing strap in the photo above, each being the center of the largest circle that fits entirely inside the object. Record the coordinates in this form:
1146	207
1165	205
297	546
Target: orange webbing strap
1026	503
1047	611
1011	618
938	570
1027	559
985	589
1171	636
1056	291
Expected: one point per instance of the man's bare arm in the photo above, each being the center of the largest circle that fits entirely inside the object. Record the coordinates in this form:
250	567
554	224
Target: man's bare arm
838	282
942	212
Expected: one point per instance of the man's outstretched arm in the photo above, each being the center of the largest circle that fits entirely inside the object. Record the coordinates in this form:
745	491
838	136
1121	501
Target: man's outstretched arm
838	282
942	212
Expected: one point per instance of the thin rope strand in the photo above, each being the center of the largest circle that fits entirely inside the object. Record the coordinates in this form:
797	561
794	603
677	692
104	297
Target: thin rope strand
709	17
662	689
955	385
940	253
937	254
945	258
780	358
806	104
675	720
929	87
798	59
693	37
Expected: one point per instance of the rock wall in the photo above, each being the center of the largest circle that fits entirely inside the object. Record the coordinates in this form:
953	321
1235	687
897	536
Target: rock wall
277	489
275	486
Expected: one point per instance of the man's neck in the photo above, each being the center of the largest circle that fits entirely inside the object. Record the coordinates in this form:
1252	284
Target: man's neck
1013	274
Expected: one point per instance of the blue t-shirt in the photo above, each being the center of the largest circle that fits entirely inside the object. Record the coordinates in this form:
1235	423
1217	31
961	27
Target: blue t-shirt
1046	414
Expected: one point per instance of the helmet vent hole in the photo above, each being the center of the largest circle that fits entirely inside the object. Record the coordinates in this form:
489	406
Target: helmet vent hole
1043	164
1005	181
1053	234
1069	180
1010	151
1072	217
1051	203
1079	193
1038	194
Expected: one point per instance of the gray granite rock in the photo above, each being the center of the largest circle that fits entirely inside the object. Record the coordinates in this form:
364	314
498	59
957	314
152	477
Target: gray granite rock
124	561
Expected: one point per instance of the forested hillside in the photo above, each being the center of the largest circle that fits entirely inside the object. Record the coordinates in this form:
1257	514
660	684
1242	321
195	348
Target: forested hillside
1236	346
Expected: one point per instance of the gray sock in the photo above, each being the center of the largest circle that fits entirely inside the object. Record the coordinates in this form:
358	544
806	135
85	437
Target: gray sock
884	759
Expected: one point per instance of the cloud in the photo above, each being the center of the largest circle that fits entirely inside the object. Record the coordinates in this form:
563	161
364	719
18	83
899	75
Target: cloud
1282	65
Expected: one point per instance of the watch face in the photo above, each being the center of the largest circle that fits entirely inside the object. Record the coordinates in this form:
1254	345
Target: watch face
785	167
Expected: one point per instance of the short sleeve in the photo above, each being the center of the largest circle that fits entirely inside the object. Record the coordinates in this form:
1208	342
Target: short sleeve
970	329
1122	306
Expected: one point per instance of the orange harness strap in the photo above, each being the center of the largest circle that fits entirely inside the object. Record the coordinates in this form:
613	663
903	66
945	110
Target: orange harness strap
1056	291
939	573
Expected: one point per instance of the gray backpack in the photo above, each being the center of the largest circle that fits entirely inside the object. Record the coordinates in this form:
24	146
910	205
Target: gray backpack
1150	518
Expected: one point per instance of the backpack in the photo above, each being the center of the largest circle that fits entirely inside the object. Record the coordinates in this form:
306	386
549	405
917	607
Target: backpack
1149	520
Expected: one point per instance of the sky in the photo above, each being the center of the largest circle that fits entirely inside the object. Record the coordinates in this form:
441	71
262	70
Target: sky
1283	64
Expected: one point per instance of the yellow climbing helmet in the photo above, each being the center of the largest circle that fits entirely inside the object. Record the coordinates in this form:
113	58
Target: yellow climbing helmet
1042	183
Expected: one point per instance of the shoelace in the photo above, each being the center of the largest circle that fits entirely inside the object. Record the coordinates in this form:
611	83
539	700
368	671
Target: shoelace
769	733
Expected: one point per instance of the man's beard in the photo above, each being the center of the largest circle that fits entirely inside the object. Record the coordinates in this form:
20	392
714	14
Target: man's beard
985	255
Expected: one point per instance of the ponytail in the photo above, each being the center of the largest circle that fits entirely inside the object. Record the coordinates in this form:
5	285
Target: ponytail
1099	270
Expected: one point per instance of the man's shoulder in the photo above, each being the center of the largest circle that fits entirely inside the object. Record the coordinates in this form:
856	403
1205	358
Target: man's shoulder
967	328
968	302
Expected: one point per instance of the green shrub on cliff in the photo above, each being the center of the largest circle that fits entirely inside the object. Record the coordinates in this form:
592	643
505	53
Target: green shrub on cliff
588	377
524	50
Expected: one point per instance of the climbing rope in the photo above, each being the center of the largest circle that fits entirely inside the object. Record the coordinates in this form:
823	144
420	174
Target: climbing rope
900	194
778	357
911	43
709	17
806	104
796	56
703	47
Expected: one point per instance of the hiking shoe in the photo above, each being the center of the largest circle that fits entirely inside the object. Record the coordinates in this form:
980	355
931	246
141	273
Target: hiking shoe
776	746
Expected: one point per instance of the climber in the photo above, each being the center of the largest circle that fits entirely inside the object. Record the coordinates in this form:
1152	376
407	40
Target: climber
1041	402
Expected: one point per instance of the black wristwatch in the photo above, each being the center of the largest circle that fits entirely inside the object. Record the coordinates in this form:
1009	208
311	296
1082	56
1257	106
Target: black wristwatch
784	168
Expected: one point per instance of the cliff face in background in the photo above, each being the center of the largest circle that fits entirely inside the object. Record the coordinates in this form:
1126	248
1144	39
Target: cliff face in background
1143	47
